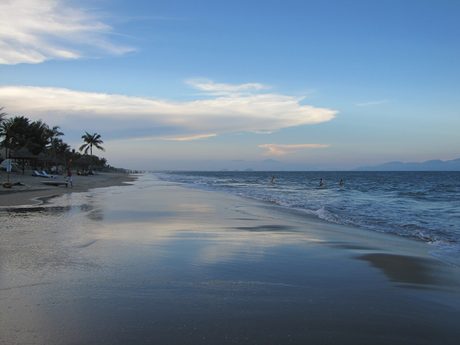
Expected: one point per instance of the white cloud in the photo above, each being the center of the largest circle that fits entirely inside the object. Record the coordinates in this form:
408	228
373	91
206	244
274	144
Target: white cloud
372	103
224	89
33	31
196	137
126	117
278	150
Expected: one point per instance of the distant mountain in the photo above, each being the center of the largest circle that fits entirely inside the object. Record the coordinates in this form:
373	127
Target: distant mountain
432	165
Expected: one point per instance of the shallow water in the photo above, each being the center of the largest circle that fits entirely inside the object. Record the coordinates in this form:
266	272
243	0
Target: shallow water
425	205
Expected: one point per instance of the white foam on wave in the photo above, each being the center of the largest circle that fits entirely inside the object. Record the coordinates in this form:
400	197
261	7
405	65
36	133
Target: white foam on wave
449	255
329	216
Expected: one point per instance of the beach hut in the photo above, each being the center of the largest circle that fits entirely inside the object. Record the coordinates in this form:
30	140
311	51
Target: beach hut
23	154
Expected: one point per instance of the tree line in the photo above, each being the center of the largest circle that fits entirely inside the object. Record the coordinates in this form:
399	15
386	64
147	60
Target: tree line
18	132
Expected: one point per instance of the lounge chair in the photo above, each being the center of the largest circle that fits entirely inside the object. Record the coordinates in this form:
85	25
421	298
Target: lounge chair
55	183
46	175
36	173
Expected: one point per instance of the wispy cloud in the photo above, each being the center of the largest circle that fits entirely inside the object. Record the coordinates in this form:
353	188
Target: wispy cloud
225	89
33	31
141	118
196	137
372	103
278	150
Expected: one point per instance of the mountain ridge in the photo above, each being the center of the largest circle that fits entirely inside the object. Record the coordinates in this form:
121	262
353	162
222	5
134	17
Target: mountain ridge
430	165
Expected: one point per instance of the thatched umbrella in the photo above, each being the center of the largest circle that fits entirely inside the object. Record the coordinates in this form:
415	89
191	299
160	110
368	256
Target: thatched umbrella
83	161
45	158
23	154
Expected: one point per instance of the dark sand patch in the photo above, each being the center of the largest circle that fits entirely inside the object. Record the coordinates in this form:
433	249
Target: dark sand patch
265	228
404	269
351	246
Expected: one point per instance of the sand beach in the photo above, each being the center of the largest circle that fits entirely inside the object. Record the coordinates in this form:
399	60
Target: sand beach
157	263
30	187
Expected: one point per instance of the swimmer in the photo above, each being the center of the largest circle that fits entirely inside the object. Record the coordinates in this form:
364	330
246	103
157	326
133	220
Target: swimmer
341	182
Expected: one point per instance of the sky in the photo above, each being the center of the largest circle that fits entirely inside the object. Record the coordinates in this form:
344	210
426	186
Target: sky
266	85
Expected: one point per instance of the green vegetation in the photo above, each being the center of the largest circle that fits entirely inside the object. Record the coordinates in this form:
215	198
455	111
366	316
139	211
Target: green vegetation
18	132
90	141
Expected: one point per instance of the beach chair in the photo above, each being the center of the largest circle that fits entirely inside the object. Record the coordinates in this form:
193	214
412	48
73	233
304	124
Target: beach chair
46	175
36	173
54	183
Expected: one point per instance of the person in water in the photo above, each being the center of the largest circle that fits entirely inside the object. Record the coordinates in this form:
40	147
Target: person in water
320	182
272	180
341	182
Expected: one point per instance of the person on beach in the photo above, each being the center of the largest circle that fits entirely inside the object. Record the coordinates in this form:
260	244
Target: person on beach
69	177
272	180
320	182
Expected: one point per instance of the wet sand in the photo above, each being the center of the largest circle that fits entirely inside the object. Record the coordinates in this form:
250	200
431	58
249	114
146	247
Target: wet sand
162	264
31	188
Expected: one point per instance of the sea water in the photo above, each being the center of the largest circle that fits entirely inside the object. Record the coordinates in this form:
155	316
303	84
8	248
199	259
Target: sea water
425	205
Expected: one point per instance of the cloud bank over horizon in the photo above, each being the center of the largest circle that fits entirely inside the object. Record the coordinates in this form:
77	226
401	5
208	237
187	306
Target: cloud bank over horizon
279	149
127	117
34	31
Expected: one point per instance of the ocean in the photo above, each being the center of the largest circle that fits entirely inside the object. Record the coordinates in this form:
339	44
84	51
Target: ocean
424	205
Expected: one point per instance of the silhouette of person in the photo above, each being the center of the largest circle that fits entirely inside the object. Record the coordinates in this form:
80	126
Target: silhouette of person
69	177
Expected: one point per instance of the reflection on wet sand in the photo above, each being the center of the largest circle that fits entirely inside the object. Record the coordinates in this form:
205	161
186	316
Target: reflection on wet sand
165	265
404	269
351	246
44	210
266	227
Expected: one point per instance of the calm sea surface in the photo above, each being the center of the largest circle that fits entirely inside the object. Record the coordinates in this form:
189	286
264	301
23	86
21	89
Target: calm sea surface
425	205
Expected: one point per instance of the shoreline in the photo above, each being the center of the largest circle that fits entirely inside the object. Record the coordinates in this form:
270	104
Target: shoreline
167	264
32	189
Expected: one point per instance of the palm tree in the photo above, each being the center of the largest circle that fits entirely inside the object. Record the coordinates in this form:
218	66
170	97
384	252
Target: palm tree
61	149
90	141
2	115
53	134
2	126
37	137
19	132
15	131
5	131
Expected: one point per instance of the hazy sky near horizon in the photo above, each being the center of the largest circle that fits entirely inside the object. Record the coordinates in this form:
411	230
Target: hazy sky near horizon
187	84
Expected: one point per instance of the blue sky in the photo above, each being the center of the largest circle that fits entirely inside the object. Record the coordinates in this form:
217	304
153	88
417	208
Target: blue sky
229	84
